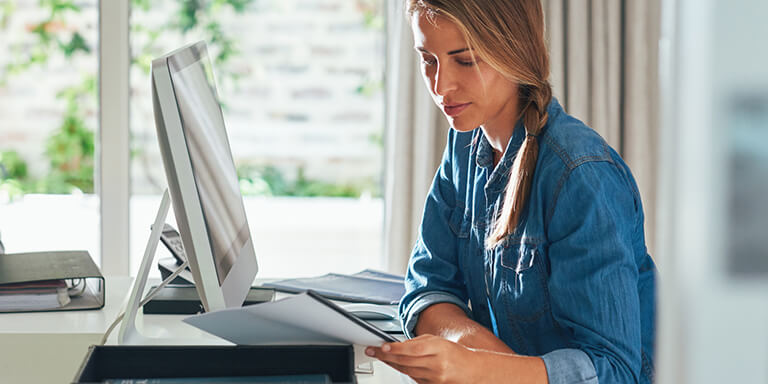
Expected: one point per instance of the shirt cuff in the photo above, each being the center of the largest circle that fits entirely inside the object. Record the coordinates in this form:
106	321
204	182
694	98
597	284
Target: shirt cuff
410	316
569	366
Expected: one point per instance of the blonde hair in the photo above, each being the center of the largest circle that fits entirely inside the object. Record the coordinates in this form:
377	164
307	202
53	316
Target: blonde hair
509	36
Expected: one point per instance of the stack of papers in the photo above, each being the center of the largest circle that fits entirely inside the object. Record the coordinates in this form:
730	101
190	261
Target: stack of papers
367	286
305	319
33	296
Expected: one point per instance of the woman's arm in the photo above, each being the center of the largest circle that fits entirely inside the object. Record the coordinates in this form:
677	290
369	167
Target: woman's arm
593	276
434	274
449	321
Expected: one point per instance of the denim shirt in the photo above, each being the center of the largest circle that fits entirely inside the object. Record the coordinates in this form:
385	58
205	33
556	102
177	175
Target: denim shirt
573	284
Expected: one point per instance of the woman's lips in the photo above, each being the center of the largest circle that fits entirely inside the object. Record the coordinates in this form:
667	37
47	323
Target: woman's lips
455	109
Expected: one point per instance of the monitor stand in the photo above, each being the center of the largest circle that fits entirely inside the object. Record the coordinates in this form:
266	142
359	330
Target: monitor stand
130	330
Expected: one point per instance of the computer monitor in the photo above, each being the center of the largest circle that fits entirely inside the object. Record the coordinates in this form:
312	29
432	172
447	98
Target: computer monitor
201	177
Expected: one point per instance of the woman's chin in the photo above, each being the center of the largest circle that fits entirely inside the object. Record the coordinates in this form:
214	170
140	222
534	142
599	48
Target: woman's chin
462	126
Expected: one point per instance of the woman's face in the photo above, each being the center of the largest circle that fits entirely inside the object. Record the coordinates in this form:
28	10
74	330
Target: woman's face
469	92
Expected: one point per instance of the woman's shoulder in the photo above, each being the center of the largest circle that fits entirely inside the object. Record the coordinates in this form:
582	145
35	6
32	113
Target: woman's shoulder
569	140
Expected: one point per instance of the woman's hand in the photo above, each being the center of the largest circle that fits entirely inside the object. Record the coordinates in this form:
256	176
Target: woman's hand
429	359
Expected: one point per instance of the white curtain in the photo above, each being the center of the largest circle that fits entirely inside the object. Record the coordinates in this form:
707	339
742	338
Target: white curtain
604	72
416	132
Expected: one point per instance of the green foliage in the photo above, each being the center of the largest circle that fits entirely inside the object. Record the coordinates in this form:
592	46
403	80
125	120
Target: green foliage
144	5
269	181
13	173
12	166
77	43
58	6
6	9
71	151
203	14
370	87
50	33
373	17
188	15
70	148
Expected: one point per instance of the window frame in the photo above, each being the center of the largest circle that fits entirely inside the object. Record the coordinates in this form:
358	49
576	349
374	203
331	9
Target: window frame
113	149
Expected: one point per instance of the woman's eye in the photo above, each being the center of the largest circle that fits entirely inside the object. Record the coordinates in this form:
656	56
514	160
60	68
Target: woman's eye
465	63
428	61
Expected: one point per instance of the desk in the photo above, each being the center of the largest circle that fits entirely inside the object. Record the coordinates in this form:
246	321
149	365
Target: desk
48	347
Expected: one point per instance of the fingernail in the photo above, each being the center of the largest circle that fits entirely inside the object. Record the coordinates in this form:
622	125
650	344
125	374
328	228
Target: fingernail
369	351
386	348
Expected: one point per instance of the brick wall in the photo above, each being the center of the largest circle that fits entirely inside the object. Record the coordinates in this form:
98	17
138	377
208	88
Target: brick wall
297	103
29	108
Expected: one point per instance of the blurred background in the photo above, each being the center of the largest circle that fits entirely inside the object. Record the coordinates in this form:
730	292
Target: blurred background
336	141
301	84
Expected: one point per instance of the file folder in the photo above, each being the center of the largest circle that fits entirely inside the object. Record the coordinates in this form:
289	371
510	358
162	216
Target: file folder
76	266
367	286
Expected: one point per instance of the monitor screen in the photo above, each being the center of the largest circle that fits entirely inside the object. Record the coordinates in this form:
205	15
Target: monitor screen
210	156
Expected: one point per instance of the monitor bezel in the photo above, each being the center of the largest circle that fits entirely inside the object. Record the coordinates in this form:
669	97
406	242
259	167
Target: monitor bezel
186	201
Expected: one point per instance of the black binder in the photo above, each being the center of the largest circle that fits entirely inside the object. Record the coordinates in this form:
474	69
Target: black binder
77	266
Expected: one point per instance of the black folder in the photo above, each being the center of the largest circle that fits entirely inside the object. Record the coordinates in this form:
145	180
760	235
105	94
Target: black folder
196	362
76	266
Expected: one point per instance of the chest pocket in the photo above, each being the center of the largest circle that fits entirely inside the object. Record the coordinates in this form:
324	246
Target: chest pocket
521	280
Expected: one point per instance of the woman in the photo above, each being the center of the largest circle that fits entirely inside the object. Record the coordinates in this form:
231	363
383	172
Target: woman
531	263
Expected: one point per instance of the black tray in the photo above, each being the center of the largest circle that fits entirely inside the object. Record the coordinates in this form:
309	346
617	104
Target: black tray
137	362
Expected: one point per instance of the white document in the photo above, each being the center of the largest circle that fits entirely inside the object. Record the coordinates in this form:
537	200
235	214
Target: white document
298	319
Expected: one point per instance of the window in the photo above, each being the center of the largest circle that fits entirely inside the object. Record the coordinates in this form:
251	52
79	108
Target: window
301	84
48	109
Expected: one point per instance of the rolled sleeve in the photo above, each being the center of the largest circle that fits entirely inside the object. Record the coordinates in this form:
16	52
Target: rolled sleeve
569	366
410	315
433	274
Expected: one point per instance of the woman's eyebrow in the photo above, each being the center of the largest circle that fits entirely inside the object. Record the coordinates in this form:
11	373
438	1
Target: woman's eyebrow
456	51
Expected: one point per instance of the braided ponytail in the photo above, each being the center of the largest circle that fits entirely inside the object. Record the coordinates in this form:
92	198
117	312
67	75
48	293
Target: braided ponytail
534	118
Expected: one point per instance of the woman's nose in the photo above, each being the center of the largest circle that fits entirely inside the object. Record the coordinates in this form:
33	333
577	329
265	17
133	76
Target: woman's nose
445	81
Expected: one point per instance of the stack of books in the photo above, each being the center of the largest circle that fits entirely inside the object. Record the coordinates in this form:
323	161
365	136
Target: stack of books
34	296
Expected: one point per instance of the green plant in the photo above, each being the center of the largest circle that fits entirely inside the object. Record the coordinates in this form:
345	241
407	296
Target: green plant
12	166
70	148
50	34
269	181
13	173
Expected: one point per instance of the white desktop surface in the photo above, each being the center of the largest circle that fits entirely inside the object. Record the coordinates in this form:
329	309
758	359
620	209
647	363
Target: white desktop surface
48	347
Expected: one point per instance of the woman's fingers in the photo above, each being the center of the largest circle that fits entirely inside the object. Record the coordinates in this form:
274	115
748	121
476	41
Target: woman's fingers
420	374
425	345
428	359
403	359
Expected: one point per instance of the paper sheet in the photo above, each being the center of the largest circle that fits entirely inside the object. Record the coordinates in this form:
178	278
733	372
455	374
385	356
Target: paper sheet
294	320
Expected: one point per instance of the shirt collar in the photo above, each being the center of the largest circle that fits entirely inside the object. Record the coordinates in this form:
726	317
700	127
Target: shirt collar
485	151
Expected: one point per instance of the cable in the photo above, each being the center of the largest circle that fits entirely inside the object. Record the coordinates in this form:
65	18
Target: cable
149	297
72	287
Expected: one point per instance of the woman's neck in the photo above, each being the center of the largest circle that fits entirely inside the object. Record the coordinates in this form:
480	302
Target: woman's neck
499	130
